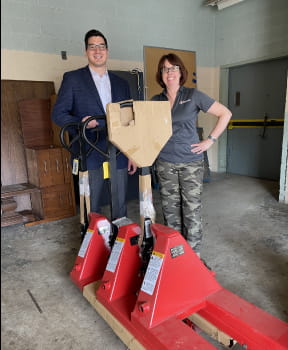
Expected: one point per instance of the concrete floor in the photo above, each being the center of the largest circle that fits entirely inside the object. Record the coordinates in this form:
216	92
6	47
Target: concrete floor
245	243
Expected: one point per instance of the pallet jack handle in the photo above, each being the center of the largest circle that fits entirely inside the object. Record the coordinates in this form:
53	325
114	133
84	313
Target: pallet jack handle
79	157
110	154
80	137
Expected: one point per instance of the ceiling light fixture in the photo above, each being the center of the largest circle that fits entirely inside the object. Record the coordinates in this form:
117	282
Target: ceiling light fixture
221	4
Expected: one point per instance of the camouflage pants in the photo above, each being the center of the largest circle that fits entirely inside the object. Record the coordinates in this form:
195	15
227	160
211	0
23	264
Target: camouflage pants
180	189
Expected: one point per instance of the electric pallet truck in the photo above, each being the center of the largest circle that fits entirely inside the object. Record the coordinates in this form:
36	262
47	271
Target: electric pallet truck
150	286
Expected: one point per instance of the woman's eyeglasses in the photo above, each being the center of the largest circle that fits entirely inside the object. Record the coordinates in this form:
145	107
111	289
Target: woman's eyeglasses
170	69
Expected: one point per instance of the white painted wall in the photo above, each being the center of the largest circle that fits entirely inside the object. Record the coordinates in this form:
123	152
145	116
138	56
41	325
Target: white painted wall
28	65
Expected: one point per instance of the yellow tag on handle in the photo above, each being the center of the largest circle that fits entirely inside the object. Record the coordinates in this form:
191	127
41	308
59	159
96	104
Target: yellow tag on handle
106	173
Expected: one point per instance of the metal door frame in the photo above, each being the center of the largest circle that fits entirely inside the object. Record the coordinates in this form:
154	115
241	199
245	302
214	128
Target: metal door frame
222	156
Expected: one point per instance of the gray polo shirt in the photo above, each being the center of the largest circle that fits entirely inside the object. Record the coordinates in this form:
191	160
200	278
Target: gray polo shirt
185	111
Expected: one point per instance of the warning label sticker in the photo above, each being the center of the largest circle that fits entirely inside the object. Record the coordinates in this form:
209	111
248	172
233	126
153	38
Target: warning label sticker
85	243
115	254
104	229
152	272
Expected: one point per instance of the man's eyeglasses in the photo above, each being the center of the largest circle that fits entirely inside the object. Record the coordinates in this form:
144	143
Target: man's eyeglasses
101	47
170	69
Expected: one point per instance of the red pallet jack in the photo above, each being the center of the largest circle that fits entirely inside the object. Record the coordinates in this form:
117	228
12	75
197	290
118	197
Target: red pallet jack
96	230
150	310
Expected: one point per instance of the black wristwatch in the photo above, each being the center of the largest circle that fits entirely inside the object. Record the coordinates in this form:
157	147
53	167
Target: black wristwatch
212	138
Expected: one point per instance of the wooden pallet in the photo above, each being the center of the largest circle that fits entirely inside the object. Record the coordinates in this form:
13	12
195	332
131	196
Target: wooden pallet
89	292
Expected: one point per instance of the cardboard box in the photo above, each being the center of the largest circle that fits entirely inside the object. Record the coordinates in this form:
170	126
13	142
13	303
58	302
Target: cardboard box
140	131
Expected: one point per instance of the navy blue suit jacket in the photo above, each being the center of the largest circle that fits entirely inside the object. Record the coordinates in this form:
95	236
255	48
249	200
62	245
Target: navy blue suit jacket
77	98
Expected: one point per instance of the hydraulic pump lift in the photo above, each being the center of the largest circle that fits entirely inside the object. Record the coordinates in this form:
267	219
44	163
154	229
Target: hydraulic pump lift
153	295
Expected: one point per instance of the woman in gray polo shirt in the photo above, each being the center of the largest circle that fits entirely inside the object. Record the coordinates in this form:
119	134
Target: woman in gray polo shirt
180	163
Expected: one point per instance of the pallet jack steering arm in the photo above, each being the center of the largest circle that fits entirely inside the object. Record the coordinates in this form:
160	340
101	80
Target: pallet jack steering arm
79	155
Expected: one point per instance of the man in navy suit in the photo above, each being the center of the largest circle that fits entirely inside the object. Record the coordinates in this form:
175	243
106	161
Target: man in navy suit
85	92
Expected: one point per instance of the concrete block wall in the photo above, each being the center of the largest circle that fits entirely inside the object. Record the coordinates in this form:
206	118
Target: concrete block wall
251	31
51	26
34	32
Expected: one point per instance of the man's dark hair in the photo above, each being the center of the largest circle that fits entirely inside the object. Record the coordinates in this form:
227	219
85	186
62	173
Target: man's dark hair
94	32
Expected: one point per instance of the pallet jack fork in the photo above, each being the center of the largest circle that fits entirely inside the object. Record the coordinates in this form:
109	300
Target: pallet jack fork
177	285
151	311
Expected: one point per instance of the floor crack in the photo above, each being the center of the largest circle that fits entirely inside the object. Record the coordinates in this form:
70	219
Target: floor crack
34	301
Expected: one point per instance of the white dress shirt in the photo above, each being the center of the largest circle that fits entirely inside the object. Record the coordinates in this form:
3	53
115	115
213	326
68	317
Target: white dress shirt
103	86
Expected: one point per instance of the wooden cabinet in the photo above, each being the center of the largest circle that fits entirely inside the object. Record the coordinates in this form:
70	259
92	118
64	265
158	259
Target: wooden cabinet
49	169
45	166
67	168
36	177
57	201
47	162
15	190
